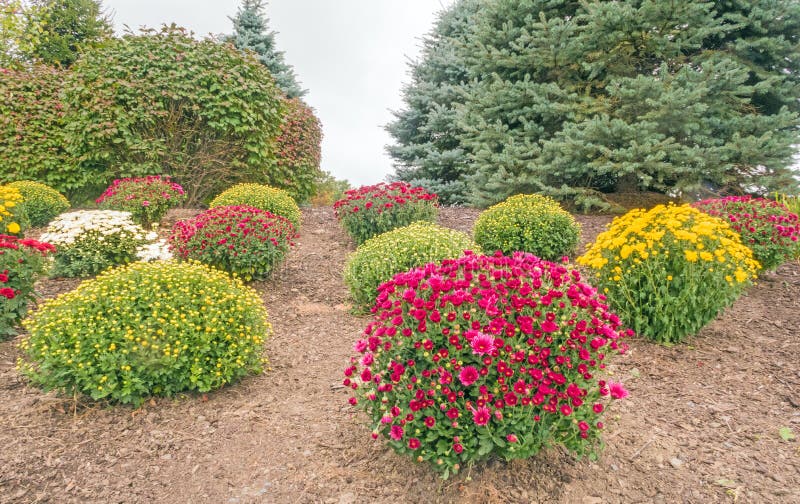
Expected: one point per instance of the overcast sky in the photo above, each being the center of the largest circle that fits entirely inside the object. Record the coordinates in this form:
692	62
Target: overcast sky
351	55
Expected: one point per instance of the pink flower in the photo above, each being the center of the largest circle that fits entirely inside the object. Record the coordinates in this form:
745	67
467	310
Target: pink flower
145	203
617	390
481	416
414	443
482	344
396	433
549	326
468	375
458	448
511	438
566	410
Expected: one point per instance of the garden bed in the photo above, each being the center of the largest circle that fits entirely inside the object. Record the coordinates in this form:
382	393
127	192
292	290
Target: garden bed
701	424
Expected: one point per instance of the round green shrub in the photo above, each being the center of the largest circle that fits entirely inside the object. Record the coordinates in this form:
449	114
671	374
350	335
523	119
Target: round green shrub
380	258
146	329
41	202
264	197
528	223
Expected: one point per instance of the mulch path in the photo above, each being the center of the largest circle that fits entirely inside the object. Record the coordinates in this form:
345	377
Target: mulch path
701	424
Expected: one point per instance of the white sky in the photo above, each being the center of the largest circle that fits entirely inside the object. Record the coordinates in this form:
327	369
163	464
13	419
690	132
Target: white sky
351	55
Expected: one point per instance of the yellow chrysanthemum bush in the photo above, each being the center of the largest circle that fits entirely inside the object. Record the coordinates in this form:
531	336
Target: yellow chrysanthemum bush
11	212
670	270
378	259
528	223
41	202
273	200
146	329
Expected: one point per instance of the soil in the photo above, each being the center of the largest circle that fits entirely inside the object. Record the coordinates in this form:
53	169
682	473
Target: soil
701	424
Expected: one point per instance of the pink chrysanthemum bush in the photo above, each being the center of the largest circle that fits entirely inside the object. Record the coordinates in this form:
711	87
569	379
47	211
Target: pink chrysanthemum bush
146	198
486	356
242	240
768	227
22	262
372	210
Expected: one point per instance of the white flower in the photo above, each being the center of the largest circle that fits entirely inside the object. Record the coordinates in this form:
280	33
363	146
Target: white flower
156	251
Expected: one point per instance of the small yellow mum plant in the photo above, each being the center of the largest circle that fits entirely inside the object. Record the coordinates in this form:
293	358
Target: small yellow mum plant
10	210
270	199
670	270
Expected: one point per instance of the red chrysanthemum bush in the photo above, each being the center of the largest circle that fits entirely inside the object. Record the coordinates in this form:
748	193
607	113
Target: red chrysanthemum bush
372	210
242	240
483	356
768	227
146	198
298	150
22	262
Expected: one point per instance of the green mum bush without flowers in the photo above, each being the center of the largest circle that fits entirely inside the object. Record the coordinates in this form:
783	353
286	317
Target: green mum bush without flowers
40	202
528	223
371	210
273	200
146	329
378	259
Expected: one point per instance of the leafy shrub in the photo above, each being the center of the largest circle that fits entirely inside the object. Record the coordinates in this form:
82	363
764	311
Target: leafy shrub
528	223
243	240
89	241
11	211
162	102
670	270
298	150
328	190
378	259
371	210
40	202
146	198
22	261
766	226
270	199
146	329
484	356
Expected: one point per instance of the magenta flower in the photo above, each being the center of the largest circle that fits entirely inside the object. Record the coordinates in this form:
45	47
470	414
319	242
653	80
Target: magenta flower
617	390
481	416
482	344
512	438
413	443
468	375
396	432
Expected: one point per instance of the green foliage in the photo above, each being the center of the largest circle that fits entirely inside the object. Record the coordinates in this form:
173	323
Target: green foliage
89	241
569	98
32	124
251	33
328	190
146	198
40	202
22	261
670	270
381	257
146	329
270	199
162	102
528	223
298	150
242	240
372	210
62	29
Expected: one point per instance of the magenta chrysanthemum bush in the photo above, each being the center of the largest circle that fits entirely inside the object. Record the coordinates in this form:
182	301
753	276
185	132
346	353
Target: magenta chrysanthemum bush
146	198
372	210
767	226
483	356
243	240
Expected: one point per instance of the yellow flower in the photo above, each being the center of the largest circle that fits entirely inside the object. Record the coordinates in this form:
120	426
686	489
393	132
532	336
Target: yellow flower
13	228
690	255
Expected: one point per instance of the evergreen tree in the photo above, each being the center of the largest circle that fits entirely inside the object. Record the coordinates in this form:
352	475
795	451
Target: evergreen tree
251	32
62	29
576	98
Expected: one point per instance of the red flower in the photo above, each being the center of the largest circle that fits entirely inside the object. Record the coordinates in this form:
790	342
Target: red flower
413	443
396	432
468	375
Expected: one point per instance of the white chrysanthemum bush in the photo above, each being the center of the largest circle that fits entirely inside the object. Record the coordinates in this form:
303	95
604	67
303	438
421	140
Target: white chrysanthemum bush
89	241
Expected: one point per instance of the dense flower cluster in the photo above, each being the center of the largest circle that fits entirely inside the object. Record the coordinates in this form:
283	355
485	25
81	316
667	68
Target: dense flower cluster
90	241
22	261
766	226
41	202
528	223
10	199
146	198
670	270
273	200
371	210
378	259
146	329
486	355
298	150
243	240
